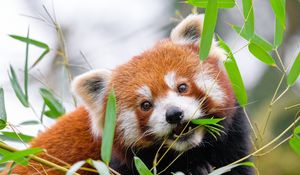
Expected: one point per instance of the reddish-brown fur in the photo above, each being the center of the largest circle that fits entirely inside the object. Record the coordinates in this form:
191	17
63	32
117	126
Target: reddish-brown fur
70	138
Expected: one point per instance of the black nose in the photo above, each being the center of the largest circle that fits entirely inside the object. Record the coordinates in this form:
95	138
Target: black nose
174	115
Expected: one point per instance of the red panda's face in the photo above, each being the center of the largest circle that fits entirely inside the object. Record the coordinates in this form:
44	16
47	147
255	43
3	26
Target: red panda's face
162	90
159	92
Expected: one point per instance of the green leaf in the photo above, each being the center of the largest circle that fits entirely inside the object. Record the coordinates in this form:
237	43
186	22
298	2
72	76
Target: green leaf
20	154
295	144
226	169
261	54
279	28
16	137
109	127
210	121
101	167
22	161
294	72
17	88
56	109
30	122
3	116
220	3
236	81
297	130
248	18
278	7
254	39
278	35
210	20
141	167
75	167
35	43
234	75
26	68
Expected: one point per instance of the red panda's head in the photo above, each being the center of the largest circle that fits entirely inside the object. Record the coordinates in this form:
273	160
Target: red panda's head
161	90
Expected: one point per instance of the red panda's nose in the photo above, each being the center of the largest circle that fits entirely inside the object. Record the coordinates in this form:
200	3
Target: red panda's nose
174	115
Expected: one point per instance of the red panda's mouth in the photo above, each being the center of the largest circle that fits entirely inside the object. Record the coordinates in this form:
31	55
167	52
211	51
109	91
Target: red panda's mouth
183	129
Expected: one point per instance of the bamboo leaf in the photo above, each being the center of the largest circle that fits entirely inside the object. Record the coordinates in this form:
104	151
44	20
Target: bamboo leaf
254	39
22	161
205	121
261	54
17	88
220	3
56	109
109	128
210	20
101	167
248	18
234	75
295	144
278	35
278	7
30	122
294	72
20	154
141	167
35	43
226	169
297	130
279	28
75	167
26	68
3	116
16	137
30	41
212	133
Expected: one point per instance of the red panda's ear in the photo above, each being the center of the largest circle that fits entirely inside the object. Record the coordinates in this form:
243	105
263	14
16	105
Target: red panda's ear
188	32
90	87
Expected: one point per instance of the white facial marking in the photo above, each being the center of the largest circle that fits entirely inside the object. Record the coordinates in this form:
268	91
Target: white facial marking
194	141
145	91
128	126
210	86
157	121
170	79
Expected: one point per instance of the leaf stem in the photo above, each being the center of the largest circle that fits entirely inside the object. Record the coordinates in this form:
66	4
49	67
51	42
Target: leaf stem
280	95
293	106
280	60
276	146
269	144
250	123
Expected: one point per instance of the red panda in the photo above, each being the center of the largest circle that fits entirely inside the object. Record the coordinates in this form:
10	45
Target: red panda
157	93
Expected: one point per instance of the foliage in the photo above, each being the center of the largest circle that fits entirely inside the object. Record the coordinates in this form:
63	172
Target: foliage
257	46
109	128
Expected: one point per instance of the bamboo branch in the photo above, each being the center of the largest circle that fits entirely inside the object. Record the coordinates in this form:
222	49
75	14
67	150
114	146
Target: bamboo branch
37	159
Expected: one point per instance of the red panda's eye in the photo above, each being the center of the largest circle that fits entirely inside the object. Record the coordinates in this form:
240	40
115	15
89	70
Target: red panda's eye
146	105
182	88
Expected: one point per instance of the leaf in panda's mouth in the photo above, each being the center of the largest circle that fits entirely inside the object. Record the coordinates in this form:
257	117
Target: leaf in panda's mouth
211	125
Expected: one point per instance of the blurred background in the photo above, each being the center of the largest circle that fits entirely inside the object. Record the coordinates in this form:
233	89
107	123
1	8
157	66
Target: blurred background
105	34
